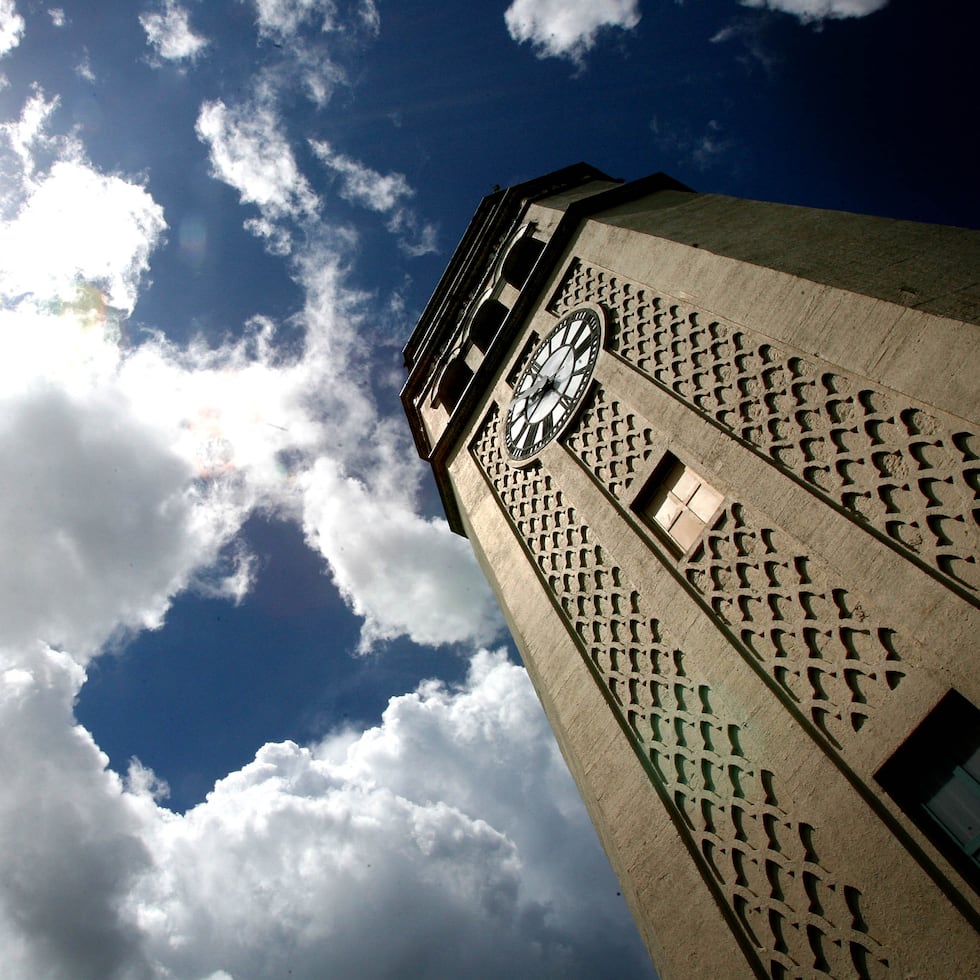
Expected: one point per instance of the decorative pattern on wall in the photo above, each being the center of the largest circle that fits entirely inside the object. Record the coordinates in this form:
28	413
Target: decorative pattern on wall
800	919
819	641
611	442
888	465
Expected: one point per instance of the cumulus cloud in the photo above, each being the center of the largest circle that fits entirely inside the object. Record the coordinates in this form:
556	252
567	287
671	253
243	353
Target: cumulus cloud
454	822
67	222
114	494
89	496
249	152
383	193
78	224
11	26
90	492
150	459
22	138
57	16
70	846
129	470
567	28
405	575
817	10
356	475
168	31
394	825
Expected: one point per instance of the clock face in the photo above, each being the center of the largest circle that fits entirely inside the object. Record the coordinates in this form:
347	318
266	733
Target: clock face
553	383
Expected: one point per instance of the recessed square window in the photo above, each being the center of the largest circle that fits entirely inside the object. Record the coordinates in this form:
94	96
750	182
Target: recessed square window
935	778
679	502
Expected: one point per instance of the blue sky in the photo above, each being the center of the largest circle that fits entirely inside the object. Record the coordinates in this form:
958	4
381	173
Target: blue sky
259	714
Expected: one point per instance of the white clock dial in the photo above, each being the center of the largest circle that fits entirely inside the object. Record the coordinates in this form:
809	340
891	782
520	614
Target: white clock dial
552	384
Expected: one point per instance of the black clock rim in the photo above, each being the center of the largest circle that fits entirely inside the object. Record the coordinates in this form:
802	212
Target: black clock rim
595	319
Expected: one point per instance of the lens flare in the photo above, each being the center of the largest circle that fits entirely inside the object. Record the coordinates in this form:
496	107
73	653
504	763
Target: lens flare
192	240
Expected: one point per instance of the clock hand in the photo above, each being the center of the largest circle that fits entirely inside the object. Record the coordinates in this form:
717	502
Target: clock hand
537	387
559	372
548	388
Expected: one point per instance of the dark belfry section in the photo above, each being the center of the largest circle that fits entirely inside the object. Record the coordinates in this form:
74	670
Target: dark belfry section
719	461
520	260
486	323
935	777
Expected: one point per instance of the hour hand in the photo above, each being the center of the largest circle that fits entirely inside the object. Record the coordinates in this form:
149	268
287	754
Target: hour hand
538	385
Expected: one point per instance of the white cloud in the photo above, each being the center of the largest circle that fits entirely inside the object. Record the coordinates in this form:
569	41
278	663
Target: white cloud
11	26
319	76
66	222
383	193
454	823
370	17
567	28
23	138
70	846
91	492
704	150
128	471
748	34
283	18
311	31
101	515
150	459
816	10
711	145
169	32
250	153
402	573
362	185
57	16
78	224
423	241
84	68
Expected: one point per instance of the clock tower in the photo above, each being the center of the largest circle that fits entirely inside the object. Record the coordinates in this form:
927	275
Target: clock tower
719	461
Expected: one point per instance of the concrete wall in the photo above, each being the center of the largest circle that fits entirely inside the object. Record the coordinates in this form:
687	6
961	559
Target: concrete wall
724	710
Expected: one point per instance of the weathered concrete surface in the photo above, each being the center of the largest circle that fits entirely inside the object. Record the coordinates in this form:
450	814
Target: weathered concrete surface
724	711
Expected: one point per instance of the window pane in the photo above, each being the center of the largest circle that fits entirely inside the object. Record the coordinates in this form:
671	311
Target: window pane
957	807
687	529
705	502
972	765
687	483
667	512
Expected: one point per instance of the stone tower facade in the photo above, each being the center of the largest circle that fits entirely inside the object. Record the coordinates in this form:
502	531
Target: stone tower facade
719	461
